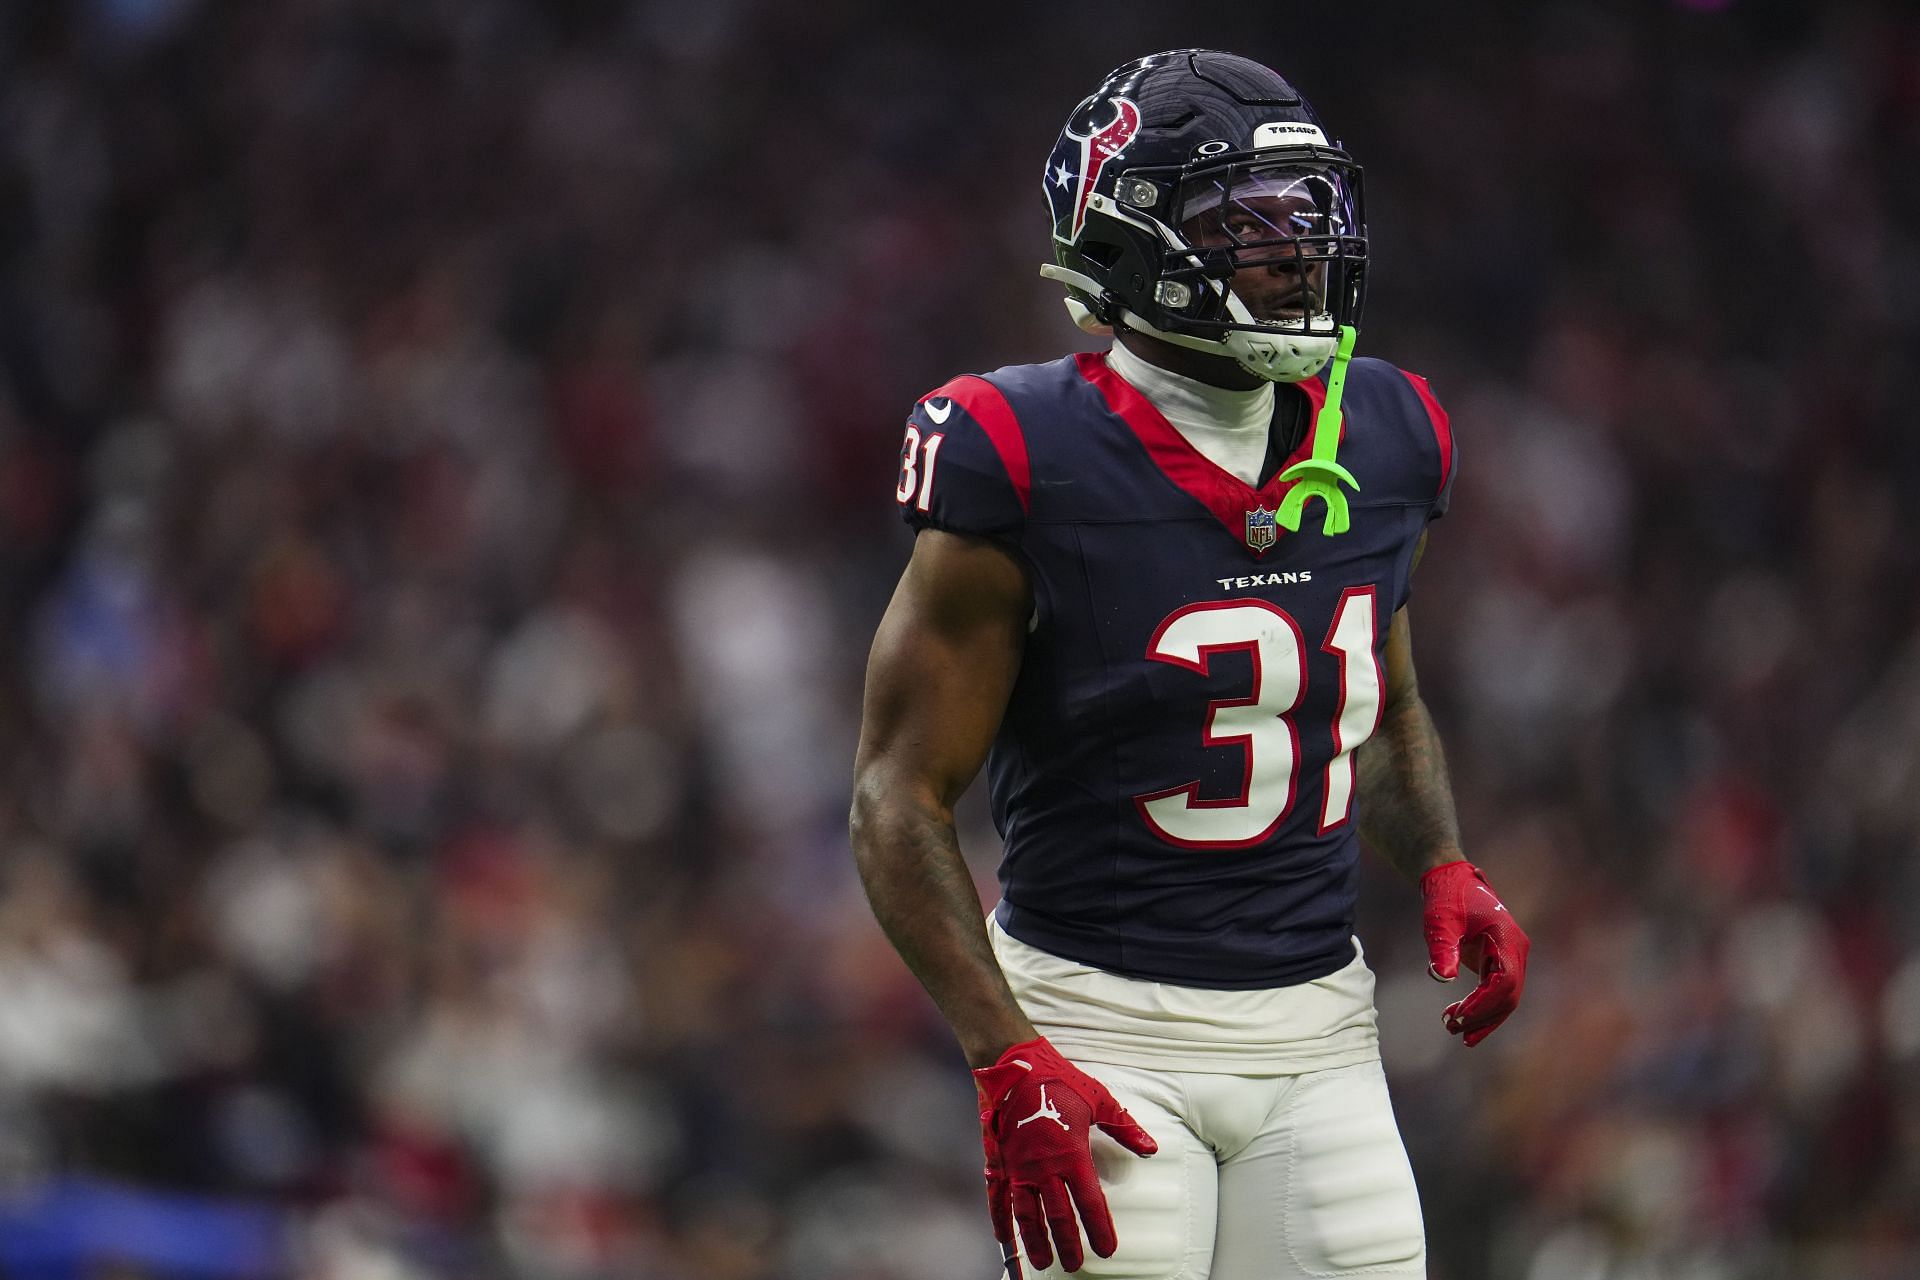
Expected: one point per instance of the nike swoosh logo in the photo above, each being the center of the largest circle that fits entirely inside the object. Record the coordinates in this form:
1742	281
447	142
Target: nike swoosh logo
941	414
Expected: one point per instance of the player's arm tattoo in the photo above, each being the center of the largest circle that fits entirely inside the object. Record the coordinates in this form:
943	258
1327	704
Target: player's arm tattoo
942	668
1403	792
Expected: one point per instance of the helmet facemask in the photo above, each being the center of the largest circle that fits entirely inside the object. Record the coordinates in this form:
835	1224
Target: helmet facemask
1258	256
1280	236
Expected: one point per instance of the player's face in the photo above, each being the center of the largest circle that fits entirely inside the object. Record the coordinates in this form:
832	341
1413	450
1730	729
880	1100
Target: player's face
1262	217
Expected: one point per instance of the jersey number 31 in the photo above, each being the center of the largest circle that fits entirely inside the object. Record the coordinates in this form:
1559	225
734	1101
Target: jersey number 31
1262	724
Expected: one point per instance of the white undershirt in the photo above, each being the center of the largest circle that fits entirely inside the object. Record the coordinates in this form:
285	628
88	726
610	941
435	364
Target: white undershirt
1228	427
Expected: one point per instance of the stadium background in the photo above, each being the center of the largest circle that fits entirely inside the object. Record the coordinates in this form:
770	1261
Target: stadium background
446	455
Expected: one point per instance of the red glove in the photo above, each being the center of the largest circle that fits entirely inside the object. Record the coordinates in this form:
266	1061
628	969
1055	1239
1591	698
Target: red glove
999	1197
1037	1113
1465	920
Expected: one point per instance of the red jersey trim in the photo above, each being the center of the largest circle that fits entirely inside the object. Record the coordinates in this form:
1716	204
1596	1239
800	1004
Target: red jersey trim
1442	427
1226	495
986	405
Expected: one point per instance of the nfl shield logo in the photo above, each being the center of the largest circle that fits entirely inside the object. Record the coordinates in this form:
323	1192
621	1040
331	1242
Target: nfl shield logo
1260	528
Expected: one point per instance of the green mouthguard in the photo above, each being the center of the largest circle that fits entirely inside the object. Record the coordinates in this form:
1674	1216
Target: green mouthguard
1320	476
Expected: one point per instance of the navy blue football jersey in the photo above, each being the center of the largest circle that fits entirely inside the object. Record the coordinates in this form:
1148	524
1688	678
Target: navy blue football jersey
1174	775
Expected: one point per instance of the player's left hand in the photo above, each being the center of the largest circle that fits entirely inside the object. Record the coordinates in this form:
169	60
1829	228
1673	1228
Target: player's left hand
1466	921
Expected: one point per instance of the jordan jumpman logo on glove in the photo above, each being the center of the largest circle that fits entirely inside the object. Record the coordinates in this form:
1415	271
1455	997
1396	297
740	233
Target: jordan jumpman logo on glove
1038	1176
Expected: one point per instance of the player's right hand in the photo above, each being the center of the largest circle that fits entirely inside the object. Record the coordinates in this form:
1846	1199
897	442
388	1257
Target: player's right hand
1037	1114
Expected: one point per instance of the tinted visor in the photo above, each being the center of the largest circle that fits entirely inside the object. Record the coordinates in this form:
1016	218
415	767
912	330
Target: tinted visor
1255	204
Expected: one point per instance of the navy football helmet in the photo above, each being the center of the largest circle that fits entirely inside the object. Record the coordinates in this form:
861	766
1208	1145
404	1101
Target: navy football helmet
1196	198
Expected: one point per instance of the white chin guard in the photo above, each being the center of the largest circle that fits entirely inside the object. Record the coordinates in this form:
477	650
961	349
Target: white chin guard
1282	357
1277	357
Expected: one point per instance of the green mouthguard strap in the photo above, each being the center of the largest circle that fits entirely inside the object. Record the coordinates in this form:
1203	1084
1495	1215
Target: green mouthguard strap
1320	476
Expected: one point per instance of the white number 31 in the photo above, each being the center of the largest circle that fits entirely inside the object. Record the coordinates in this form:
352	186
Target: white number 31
916	472
1262	724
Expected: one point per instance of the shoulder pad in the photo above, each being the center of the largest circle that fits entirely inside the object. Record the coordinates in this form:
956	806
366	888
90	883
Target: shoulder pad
1409	429
963	462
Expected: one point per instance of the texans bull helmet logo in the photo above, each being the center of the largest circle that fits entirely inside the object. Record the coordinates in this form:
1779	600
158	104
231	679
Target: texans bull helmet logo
1100	130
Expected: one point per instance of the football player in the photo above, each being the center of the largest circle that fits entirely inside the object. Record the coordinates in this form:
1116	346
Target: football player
1162	592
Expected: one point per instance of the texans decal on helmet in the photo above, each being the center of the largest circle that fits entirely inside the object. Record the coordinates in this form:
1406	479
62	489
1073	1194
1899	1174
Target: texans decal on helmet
1080	157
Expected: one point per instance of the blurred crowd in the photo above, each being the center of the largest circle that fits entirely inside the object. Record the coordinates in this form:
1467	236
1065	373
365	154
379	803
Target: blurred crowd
446	455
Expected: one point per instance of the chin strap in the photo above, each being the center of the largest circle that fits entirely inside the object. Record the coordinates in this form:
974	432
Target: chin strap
1082	314
1320	476
1261	365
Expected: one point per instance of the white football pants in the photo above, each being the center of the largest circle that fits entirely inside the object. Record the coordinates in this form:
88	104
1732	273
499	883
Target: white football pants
1297	1177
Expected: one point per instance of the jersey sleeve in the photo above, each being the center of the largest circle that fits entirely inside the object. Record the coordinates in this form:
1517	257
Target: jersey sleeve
1442	428
963	462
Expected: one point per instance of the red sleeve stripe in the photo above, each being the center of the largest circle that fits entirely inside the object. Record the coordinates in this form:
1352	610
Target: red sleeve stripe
1442	425
988	407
